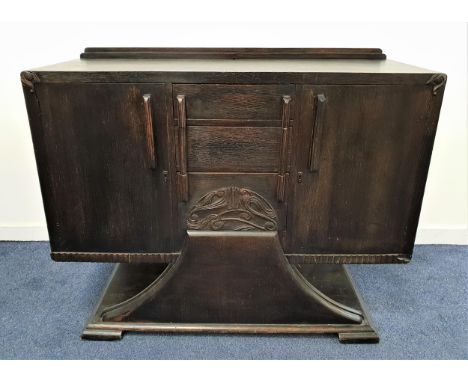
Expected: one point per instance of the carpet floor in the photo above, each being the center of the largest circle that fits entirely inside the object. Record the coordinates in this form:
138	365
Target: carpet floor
420	311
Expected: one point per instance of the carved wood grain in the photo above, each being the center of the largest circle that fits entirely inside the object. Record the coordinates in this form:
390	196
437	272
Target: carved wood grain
28	79
165	258
116	257
234	209
437	81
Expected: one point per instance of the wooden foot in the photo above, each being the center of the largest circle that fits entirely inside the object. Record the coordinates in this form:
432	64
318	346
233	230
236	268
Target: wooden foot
230	282
358	337
102	334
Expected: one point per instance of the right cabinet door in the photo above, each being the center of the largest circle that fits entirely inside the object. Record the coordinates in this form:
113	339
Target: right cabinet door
361	156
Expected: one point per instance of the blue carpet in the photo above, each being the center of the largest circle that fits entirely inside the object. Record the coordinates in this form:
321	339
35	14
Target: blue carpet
419	309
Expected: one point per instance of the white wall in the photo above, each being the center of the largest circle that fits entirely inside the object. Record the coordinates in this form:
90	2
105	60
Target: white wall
442	47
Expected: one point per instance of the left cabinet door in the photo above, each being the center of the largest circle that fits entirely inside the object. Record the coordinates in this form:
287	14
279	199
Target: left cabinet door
102	156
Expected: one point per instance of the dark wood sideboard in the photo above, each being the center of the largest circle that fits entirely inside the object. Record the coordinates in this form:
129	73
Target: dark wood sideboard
232	184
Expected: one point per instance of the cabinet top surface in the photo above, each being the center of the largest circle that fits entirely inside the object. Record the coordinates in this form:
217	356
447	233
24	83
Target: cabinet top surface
235	65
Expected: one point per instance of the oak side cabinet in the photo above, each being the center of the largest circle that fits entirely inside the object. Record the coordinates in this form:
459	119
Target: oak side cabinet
232	185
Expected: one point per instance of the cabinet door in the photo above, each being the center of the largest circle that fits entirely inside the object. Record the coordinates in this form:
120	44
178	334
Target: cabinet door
361	158
103	165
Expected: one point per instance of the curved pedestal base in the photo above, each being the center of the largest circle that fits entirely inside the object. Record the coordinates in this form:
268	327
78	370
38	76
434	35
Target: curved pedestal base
231	282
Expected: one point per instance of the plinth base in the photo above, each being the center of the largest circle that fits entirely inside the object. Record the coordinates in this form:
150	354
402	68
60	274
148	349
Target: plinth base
240	283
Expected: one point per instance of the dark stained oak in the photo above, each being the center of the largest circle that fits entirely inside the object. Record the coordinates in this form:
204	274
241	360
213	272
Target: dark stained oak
216	149
365	190
262	183
235	53
105	192
245	177
213	101
248	287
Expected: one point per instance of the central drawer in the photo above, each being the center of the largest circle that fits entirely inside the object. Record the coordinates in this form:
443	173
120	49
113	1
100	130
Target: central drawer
233	102
233	128
233	149
233	136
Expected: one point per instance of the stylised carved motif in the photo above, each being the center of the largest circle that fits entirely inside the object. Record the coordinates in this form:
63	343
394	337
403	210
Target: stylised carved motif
29	79
232	209
437	81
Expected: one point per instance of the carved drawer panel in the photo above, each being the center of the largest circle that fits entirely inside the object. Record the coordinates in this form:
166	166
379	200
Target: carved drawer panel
262	184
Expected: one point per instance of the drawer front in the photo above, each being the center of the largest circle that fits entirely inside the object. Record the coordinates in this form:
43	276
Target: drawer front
233	149
224	102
